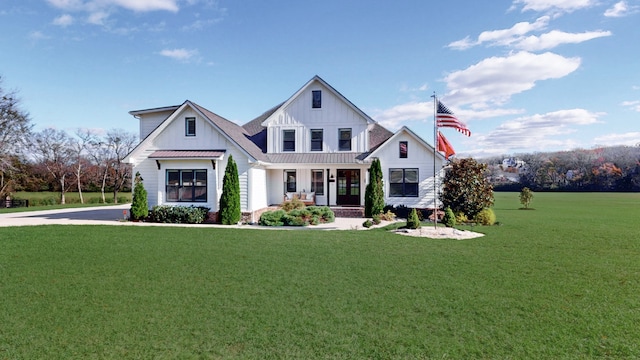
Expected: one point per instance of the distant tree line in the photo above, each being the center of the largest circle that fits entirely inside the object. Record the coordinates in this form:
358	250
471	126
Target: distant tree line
53	160
615	168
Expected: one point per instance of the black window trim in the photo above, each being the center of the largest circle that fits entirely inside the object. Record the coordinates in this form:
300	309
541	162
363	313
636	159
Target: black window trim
193	187
321	140
405	185
340	141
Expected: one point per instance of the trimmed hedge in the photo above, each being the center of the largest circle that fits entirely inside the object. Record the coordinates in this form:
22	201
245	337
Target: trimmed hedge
178	214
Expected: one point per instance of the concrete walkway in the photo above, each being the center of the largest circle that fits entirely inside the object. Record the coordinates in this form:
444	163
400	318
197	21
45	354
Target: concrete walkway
114	215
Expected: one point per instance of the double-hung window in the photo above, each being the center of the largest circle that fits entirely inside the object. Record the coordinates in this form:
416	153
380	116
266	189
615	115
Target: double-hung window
316	139
288	140
190	126
186	185
403	182
317	182
344	139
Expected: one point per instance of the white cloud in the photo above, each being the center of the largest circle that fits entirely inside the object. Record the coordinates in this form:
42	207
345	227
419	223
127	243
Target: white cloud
496	79
554	6
63	20
629	139
98	11
538	131
555	38
515	37
394	117
619	9
183	55
633	105
37	35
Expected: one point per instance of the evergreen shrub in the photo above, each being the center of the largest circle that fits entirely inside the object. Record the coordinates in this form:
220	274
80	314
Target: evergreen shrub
449	218
486	217
178	214
413	222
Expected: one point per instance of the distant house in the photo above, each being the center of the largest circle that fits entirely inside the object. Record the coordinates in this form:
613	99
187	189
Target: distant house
316	146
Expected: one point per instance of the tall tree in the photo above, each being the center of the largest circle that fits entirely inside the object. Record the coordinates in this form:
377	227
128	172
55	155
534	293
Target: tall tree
466	188
79	146
15	128
53	149
229	212
120	144
374	192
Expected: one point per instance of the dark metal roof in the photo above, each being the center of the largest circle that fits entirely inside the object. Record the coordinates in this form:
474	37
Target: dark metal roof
316	158
187	154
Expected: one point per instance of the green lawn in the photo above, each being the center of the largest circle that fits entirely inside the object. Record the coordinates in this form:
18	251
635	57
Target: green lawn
560	281
47	200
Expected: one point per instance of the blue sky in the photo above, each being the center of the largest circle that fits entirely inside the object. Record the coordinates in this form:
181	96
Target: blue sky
524	75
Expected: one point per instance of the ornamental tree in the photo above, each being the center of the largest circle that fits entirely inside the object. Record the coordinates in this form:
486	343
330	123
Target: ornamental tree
139	206
465	188
374	192
229	212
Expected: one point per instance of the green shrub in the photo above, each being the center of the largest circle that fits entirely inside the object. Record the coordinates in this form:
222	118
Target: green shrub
292	205
139	206
367	223
374	192
178	214
376	219
272	218
486	217
291	220
449	219
526	195
413	222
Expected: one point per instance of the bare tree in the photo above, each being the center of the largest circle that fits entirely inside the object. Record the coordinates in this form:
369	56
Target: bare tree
79	146
120	144
53	149
14	130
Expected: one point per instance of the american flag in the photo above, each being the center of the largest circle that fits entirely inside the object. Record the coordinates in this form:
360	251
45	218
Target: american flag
445	118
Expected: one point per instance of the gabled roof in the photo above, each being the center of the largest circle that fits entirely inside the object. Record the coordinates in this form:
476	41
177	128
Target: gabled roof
325	84
408	131
232	131
154	110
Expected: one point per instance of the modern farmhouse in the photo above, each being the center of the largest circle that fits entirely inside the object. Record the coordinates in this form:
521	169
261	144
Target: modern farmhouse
316	146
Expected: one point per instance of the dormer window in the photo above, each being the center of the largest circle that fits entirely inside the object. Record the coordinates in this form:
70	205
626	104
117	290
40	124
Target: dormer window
190	126
316	99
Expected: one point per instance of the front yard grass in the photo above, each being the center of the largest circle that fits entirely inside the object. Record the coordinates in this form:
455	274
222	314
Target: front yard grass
558	282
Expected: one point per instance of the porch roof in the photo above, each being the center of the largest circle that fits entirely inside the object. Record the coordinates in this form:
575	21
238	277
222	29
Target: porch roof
316	158
187	154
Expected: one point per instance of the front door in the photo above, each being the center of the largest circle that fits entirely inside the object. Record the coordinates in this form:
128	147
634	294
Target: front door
348	187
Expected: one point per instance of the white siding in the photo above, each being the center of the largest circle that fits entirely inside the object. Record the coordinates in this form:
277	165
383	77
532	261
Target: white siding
419	157
335	114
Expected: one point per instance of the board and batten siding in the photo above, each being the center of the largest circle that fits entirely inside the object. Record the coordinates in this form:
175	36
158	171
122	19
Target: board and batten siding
335	114
419	157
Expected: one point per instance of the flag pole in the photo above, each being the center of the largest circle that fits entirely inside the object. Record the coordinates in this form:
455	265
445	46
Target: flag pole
435	150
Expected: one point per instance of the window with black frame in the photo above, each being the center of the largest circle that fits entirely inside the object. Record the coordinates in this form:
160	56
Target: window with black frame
344	139
403	182
186	185
316	139
288	140
317	182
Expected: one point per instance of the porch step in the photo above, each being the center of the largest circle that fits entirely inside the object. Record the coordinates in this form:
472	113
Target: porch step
348	212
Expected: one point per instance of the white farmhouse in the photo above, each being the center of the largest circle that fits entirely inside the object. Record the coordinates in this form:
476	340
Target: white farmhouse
316	146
